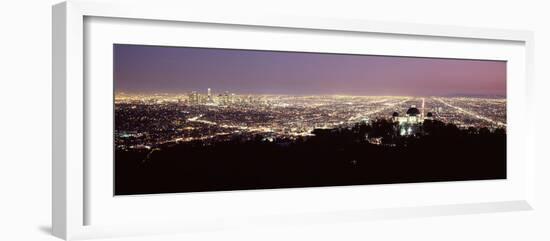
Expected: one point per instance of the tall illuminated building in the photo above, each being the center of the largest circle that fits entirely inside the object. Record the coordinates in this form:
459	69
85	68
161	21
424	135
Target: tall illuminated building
193	98
423	102
209	96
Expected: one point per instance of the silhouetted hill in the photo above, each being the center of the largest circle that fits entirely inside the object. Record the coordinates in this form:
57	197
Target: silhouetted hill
333	157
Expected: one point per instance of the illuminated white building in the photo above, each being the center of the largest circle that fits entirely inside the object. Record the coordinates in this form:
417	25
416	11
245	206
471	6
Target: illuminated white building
409	124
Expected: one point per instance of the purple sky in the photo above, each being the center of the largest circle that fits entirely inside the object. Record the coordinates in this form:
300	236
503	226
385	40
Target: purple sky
154	69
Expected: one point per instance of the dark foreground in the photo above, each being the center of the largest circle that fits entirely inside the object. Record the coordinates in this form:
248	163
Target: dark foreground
334	157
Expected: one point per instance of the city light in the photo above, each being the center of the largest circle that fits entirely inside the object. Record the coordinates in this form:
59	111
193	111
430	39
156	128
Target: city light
150	120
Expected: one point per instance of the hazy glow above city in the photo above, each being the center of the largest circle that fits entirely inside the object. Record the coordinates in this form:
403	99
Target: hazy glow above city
154	69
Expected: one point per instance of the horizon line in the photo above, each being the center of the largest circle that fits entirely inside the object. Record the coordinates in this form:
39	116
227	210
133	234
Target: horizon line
327	94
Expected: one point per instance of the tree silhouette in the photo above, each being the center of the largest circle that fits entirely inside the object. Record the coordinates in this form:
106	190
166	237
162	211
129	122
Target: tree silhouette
332	157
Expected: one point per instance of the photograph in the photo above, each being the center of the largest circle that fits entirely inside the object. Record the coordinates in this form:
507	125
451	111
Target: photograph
195	119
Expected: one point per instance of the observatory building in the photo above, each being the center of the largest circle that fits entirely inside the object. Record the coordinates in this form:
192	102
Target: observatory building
410	123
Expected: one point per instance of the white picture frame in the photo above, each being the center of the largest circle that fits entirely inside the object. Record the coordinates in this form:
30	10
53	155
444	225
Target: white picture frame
71	189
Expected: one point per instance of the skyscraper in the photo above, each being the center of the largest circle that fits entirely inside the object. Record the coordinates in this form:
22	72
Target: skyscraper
423	102
194	98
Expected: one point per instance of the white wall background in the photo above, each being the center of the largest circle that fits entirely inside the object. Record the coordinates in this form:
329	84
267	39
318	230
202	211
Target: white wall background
25	119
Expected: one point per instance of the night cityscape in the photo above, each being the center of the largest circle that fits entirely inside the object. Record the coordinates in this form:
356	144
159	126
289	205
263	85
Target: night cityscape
187	136
149	121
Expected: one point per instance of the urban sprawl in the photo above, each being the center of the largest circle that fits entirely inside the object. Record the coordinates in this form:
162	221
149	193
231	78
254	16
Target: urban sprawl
145	121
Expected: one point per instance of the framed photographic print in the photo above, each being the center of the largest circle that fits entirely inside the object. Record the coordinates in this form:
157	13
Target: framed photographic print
177	121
